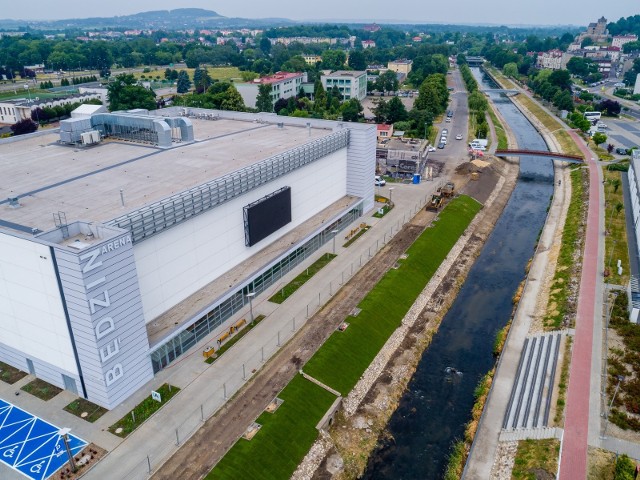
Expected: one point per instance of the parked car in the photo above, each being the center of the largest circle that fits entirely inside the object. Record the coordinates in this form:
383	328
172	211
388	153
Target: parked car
431	148
441	145
459	136
621	151
448	120
379	181
443	140
445	131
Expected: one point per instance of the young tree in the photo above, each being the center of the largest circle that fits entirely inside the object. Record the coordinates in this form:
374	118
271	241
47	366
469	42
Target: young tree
263	100
233	100
184	84
24	126
599	138
510	69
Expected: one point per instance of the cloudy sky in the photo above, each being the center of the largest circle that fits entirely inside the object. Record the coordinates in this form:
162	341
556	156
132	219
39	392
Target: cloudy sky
530	12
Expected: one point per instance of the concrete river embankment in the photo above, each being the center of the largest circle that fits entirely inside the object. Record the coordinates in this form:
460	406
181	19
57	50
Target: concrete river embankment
433	412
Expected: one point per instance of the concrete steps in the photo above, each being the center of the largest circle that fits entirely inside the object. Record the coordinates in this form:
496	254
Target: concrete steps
531	433
530	399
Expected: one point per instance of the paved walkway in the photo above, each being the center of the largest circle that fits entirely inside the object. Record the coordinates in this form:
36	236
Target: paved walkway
204	387
573	456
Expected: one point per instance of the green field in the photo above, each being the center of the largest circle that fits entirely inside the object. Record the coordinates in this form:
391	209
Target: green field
217	73
341	361
284	439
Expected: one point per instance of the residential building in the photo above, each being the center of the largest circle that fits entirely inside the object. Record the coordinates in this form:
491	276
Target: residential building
283	85
385	132
351	83
368	44
551	59
620	40
401	66
373	27
312	59
13	111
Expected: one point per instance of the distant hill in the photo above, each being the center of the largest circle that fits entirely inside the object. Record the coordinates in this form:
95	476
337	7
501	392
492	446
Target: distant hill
180	18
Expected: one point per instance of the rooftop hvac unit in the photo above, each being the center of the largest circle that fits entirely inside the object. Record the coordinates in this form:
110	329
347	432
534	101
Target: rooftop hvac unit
90	138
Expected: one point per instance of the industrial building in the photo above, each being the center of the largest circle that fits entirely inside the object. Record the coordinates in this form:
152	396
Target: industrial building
127	239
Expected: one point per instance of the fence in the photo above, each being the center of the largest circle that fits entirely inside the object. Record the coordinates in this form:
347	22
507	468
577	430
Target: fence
247	359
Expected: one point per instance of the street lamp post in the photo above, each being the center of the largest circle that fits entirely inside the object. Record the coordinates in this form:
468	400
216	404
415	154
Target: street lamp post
250	297
615	392
390	194
335	232
64	434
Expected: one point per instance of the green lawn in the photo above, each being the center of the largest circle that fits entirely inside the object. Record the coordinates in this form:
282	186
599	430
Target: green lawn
503	143
284	439
41	389
536	456
615	223
341	361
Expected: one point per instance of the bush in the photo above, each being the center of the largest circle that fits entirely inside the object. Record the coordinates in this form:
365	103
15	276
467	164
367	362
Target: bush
625	468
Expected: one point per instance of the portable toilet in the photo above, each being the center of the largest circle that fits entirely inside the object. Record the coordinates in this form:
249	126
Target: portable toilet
416	179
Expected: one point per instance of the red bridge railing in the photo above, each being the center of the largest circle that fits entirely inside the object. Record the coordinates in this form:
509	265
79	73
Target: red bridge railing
538	153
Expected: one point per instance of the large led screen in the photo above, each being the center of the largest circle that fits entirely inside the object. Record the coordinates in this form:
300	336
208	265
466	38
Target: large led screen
265	216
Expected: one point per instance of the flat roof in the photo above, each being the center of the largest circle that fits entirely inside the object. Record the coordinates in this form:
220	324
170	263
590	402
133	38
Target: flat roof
85	183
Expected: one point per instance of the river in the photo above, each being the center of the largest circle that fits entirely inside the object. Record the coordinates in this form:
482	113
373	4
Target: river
433	412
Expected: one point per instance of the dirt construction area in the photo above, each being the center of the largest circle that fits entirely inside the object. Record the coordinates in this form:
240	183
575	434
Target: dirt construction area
209	444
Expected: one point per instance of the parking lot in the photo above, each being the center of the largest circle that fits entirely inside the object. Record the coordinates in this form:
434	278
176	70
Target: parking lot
32	446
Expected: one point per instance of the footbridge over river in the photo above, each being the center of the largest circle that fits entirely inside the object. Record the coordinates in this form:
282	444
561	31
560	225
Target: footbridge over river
564	157
509	92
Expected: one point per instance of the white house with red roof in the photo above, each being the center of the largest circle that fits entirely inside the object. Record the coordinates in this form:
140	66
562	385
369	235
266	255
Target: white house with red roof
283	85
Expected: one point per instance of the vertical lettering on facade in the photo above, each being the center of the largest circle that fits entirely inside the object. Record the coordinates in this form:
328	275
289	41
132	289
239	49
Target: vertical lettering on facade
101	300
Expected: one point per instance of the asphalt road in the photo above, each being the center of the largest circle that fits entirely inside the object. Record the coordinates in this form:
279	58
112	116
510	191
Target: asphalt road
455	149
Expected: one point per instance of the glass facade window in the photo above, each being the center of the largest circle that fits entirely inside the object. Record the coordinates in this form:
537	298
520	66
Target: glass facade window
175	346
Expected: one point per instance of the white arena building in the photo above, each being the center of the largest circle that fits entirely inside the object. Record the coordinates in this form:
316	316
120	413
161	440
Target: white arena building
126	239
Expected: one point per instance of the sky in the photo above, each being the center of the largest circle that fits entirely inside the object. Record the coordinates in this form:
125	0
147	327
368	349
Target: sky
504	12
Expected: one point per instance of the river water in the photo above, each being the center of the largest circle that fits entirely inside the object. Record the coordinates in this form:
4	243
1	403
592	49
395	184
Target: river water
433	412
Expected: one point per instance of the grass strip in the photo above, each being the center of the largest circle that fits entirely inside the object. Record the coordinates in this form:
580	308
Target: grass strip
460	449
284	438
291	287
80	406
616	228
142	411
341	361
41	389
356	236
9	374
234	339
503	144
559	308
564	381
385	209
536	459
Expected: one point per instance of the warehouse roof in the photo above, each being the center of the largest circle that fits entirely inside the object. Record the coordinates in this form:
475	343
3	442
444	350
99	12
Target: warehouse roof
86	183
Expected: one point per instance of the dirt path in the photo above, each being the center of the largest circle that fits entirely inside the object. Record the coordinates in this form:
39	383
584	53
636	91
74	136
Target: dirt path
222	430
